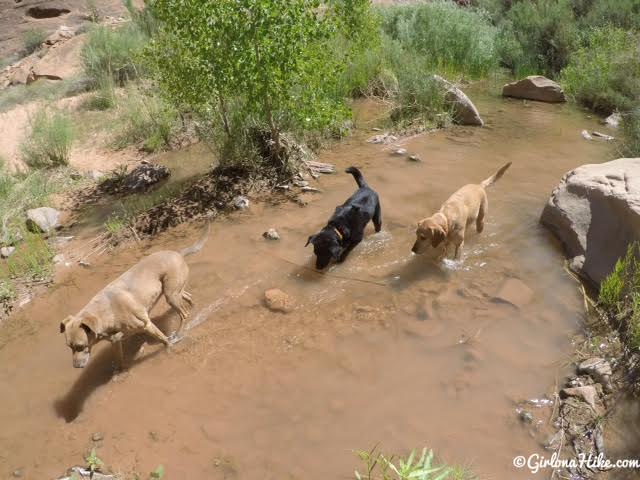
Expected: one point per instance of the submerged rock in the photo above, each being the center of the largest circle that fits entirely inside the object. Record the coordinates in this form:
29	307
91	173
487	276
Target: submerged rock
595	212
278	301
514	292
464	111
271	234
43	219
535	87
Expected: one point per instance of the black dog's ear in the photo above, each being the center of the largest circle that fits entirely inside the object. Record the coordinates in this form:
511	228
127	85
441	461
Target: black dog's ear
310	240
437	236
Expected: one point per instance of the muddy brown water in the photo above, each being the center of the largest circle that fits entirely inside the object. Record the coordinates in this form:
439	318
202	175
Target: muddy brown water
418	355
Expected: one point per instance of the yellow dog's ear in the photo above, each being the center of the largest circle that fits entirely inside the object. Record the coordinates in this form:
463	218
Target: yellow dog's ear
91	322
437	236
64	323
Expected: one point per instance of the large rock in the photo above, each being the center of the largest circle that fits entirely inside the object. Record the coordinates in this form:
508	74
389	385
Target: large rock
43	219
62	60
595	212
535	87
464	111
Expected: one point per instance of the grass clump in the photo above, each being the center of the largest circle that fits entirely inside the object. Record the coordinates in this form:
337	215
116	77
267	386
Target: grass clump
379	466
144	119
111	53
604	73
48	144
631	133
448	37
619	297
33	39
104	98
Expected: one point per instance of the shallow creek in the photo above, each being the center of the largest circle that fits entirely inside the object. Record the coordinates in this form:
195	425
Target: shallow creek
421	354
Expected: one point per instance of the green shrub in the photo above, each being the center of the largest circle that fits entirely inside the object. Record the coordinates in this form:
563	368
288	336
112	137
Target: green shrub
33	39
631	133
104	98
612	287
31	260
145	120
546	32
111	53
604	73
599	13
450	37
49	142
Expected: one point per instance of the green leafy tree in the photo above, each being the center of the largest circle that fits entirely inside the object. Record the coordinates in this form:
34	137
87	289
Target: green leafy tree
262	61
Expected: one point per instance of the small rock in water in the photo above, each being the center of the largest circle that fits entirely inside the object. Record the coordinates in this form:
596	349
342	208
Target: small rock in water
278	301
414	158
5	252
240	202
97	437
301	183
400	151
311	189
524	416
18	473
515	292
613	120
376	129
603	136
382	138
84	263
586	135
271	234
59	258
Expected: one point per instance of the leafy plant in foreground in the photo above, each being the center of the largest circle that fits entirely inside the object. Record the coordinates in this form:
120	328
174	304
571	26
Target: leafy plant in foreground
379	466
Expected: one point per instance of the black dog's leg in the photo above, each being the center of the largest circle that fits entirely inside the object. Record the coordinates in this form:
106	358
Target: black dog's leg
377	217
347	250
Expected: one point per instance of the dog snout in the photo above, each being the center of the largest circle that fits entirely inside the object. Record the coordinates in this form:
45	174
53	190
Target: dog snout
80	361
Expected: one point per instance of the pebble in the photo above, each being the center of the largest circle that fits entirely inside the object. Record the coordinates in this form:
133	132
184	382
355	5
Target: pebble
271	234
97	437
278	301
18	473
586	135
5	252
400	151
415	158
59	258
240	202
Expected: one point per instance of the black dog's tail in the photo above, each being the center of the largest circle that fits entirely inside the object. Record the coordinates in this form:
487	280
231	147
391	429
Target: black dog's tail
357	175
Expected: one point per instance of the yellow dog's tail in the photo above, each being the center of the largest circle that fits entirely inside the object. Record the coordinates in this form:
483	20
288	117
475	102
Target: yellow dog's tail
495	177
196	247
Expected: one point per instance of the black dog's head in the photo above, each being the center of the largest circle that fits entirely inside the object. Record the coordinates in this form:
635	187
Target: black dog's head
326	246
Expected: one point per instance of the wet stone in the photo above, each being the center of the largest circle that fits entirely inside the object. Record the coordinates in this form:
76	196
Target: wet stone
97	437
271	234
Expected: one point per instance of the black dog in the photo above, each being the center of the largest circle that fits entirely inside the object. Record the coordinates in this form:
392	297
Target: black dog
345	229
